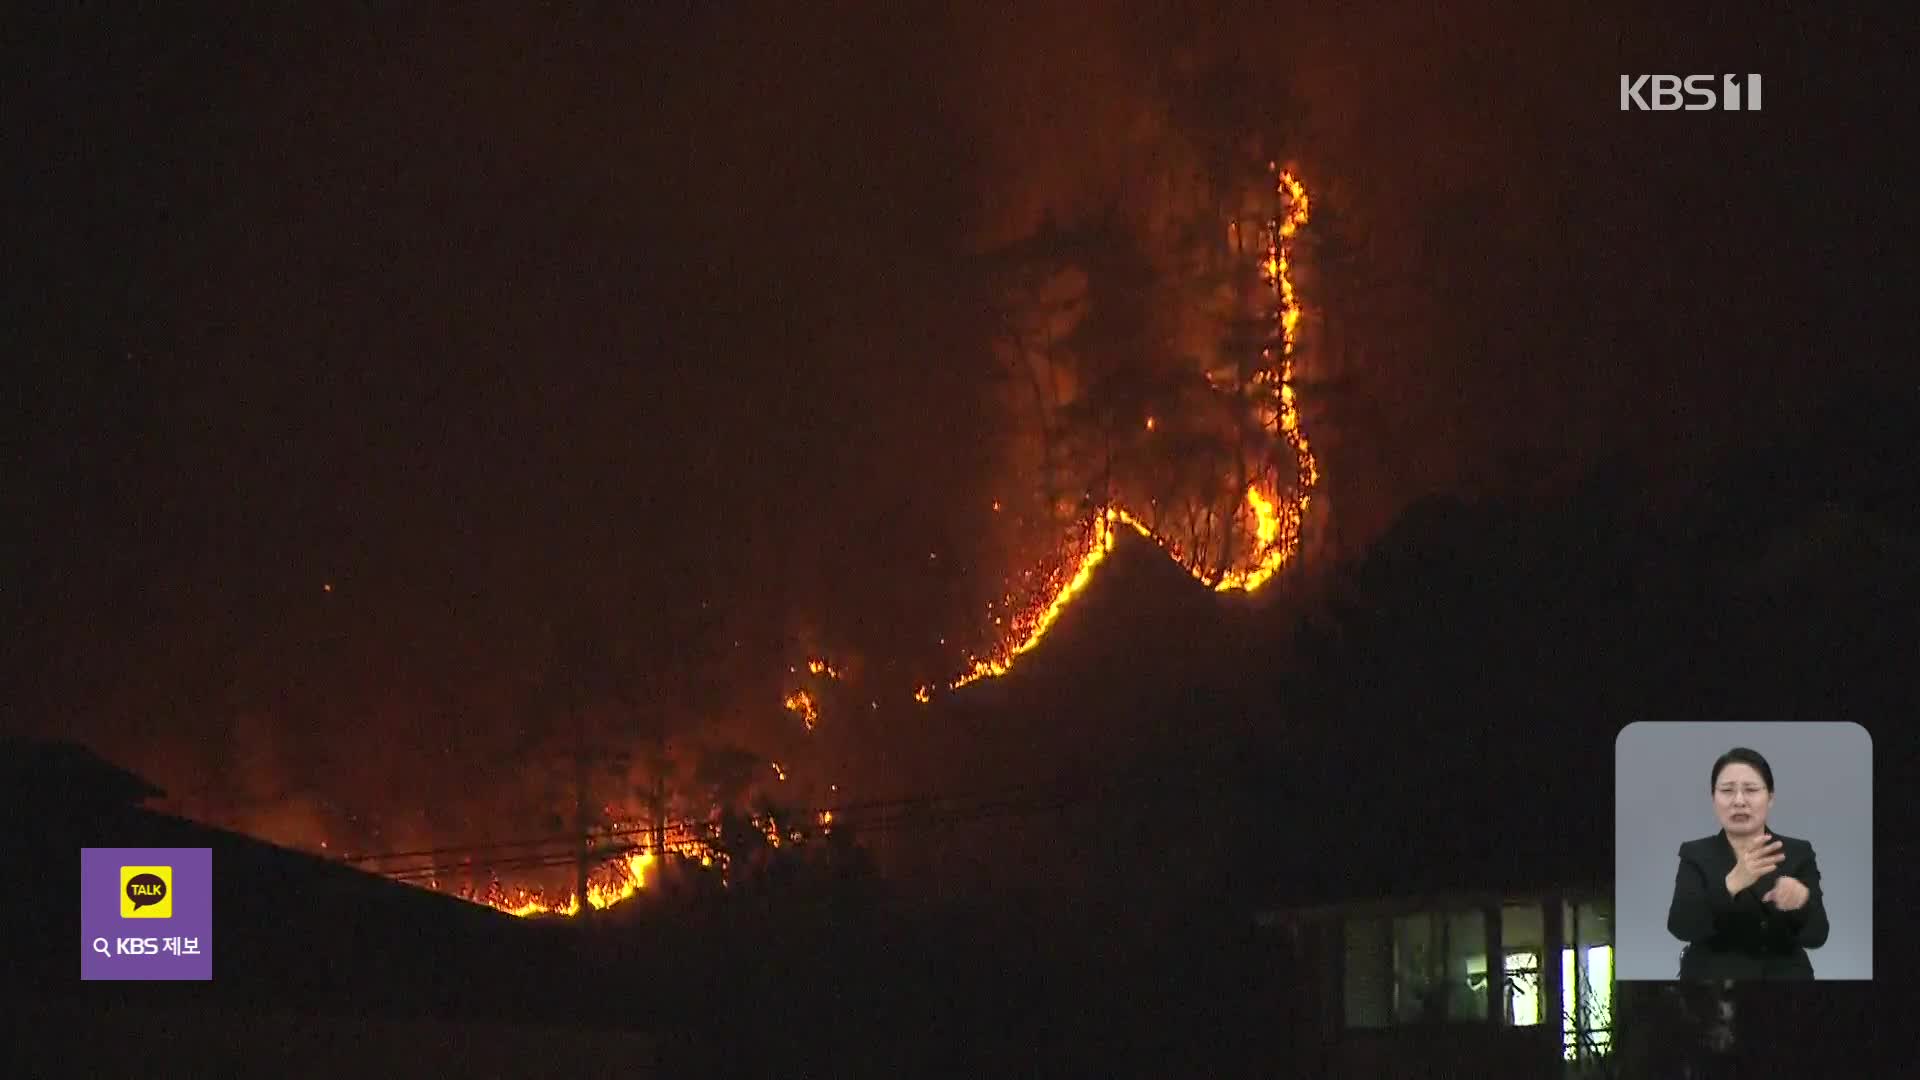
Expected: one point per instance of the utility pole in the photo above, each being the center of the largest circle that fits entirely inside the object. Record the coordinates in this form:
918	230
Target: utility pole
659	810
582	854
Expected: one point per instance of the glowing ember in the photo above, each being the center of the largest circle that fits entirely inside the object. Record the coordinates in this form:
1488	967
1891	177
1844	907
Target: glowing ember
821	667
801	703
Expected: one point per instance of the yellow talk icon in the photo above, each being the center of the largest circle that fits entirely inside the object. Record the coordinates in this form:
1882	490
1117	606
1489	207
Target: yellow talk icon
146	892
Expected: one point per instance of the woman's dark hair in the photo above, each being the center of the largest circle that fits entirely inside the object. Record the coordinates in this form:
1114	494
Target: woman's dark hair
1740	755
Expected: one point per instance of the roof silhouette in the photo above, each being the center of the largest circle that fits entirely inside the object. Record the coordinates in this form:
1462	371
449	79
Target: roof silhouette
67	774
289	927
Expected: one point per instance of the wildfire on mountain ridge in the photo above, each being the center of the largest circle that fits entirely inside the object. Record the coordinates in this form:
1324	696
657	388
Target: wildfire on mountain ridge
1276	514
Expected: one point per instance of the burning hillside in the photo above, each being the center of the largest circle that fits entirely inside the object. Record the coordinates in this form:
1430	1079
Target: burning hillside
1269	460
1265	528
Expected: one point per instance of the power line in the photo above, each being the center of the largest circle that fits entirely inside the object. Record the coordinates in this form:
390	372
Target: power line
1042	802
570	837
847	813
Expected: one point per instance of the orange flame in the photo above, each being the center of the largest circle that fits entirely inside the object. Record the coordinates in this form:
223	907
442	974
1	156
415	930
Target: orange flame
1276	516
802	703
623	878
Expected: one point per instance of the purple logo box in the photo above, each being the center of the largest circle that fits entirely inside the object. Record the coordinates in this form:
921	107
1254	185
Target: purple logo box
178	945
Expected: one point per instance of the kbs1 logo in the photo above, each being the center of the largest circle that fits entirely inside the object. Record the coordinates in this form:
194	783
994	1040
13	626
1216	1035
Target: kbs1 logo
1693	93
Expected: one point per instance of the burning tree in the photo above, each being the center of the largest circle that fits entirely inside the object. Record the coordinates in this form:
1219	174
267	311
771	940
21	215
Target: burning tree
605	711
1159	357
583	682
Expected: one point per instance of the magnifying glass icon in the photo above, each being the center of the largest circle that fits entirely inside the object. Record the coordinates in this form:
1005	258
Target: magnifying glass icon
100	946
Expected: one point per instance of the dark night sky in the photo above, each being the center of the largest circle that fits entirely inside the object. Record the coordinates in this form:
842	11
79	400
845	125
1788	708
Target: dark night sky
481	320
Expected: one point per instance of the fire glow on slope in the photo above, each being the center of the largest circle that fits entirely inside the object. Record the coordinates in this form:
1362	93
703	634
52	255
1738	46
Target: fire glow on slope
1277	516
607	886
616	879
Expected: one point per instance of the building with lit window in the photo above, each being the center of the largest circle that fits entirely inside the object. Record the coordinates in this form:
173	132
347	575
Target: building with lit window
1490	982
1425	928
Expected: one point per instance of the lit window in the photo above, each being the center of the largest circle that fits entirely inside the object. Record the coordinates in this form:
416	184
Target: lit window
1432	966
1586	981
1433	976
1523	933
1422	968
1589	1016
1523	985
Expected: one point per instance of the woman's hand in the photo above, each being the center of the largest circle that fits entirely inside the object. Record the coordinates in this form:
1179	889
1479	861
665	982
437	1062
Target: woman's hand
1787	894
1756	862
